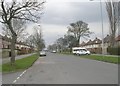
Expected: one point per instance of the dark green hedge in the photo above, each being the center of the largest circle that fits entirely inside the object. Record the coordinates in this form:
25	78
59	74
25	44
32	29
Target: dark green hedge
113	50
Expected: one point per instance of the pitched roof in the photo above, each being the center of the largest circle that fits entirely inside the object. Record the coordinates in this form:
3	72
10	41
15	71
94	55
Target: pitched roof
107	39
89	42
82	44
118	38
97	41
0	36
6	38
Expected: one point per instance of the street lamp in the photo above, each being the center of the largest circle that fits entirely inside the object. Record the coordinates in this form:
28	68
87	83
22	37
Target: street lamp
102	26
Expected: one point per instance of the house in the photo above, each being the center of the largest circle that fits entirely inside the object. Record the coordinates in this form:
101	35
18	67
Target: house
82	44
5	46
118	40
21	48
95	46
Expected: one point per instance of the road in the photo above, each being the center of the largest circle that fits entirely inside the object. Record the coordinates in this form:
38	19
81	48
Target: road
65	69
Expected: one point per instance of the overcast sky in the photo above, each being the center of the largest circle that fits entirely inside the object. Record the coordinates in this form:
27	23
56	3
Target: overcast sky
58	14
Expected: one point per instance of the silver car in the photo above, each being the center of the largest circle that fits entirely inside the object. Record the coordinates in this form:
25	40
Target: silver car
42	53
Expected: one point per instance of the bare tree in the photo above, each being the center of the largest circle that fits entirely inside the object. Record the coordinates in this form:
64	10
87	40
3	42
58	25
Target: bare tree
79	29
29	10
112	11
38	39
19	28
30	41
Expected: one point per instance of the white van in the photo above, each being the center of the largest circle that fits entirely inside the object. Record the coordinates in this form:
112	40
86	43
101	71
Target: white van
80	51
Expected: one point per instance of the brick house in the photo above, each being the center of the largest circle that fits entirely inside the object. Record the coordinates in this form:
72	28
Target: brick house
95	46
21	48
118	40
5	47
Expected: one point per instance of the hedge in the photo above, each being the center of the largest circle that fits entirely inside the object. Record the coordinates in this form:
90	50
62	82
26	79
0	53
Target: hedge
113	50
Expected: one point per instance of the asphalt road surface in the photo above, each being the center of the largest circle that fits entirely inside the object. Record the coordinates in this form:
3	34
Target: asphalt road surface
65	69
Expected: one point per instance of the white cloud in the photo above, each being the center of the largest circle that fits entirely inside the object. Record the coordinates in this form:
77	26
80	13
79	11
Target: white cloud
53	32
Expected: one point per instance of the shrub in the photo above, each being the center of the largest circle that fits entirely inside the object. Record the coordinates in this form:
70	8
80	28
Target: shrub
113	50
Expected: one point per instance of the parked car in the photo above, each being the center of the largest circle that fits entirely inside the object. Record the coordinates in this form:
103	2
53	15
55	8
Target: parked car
42	53
83	52
53	51
80	51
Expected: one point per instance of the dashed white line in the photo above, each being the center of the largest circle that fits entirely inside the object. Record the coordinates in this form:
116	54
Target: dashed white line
19	77
14	81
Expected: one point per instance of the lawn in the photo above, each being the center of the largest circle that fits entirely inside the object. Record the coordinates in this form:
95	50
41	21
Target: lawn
109	59
20	64
0	68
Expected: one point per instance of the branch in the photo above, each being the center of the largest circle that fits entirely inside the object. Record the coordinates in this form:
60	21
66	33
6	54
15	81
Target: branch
25	19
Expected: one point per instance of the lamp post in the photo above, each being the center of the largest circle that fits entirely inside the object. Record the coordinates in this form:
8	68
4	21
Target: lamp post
101	25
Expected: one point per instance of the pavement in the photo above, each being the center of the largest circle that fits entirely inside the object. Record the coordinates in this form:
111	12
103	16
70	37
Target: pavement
5	60
65	69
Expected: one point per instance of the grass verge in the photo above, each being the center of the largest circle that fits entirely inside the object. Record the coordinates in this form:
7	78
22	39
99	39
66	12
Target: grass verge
0	68
109	59
20	64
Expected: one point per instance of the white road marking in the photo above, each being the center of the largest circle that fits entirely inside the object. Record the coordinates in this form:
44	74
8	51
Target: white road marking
19	76
14	81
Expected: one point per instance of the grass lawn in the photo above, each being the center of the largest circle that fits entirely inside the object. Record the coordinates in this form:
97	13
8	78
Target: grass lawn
108	59
20	64
0	68
103	58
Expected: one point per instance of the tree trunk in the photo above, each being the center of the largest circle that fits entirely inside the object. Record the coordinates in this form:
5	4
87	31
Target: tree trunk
13	42
78	42
112	40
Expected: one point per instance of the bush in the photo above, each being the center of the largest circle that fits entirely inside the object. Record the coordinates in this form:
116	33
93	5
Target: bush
113	50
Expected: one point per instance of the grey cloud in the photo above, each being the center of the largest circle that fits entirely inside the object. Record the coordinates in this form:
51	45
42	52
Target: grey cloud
86	11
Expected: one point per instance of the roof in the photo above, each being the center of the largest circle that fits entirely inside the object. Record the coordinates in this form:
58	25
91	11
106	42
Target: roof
0	36
97	41
82	44
6	38
89	42
118	38
107	39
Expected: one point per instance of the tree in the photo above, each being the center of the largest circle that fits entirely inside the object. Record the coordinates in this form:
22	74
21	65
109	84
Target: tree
112	11
19	28
29	10
30	41
66	43
79	29
71	41
38	40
